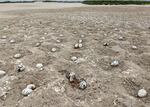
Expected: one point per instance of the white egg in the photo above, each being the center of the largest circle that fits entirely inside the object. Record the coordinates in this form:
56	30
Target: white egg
53	49
26	91
142	93
80	45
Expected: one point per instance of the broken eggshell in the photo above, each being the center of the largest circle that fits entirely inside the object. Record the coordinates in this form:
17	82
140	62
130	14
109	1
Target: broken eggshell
20	67
82	84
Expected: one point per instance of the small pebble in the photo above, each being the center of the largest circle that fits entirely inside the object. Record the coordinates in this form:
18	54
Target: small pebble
53	49
82	84
134	47
2	73
45	33
20	67
42	38
37	44
121	38
58	41
26	91
106	44
61	35
31	86
12	41
115	63
76	46
17	56
142	93
4	37
39	65
82	36
75	32
74	58
80	41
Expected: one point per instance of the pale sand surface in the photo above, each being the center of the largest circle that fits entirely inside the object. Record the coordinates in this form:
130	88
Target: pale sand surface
36	5
108	86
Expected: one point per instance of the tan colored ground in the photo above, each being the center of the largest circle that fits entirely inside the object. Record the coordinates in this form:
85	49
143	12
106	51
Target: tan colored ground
108	86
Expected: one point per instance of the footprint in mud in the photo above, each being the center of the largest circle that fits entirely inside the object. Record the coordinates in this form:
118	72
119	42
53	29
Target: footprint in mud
142	60
133	85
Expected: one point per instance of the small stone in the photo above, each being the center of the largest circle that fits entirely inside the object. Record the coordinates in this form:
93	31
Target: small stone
41	69
20	67
58	41
43	38
71	76
17	56
121	38
39	65
45	33
12	41
82	36
53	49
80	41
74	58
31	86
26	91
37	44
115	63
2	73
82	84
4	37
142	93
106	44
76	46
80	45
75	32
134	47
61	35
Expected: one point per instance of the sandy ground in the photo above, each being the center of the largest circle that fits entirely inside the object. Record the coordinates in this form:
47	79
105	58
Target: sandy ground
61	28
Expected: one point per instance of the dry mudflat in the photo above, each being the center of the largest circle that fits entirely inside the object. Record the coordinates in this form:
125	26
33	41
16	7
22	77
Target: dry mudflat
34	30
